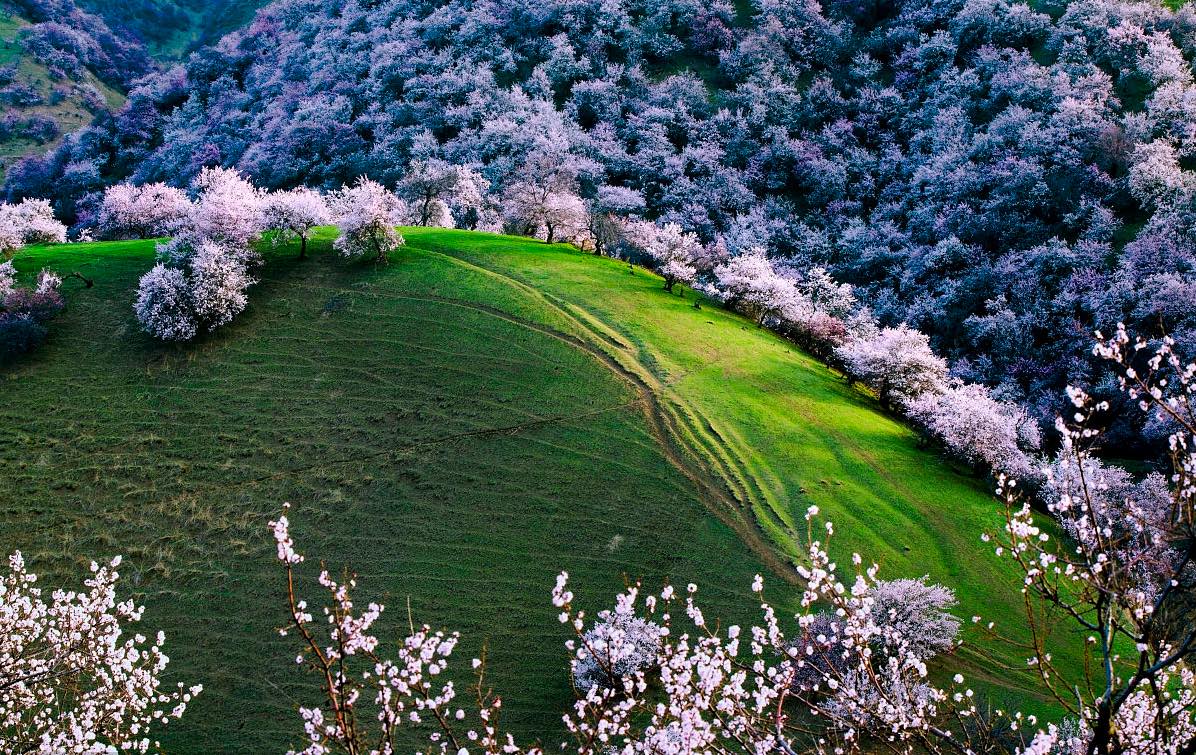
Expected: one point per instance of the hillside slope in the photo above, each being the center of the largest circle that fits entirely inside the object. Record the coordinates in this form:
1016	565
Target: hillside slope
42	106
171	28
457	426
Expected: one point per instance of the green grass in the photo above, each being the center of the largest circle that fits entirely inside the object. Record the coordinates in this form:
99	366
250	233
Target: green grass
457	427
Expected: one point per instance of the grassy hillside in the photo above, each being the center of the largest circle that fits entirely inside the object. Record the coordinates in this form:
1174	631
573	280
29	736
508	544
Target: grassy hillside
458	427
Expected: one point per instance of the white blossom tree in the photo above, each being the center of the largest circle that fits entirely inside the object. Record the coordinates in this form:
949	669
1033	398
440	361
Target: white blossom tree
992	435
367	215
219	284
672	250
30	221
228	209
142	212
440	194
617	646
897	363
293	214
205	274
75	675
749	282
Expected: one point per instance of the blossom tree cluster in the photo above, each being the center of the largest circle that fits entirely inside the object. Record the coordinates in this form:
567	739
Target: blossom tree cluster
30	221
142	212
823	315
202	280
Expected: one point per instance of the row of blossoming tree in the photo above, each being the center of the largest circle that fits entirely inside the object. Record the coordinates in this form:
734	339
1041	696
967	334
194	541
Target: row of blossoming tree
849	672
206	270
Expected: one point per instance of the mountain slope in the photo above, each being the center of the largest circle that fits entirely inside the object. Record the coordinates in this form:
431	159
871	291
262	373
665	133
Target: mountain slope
171	28
457	427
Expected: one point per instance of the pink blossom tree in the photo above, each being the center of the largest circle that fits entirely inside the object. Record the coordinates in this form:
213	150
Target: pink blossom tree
992	435
444	195
294	214
749	282
672	250
30	221
141	212
367	215
228	209
897	363
74	675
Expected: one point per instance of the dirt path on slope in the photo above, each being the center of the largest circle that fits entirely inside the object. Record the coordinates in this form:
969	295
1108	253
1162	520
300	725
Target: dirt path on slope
712	490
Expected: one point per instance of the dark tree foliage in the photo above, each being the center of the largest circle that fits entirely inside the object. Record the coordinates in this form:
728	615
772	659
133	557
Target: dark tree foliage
1003	178
23	317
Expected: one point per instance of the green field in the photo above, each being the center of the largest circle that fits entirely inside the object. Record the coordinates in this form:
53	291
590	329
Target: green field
458	427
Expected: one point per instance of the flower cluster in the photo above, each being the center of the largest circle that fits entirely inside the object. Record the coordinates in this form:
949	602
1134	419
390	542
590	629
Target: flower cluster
142	212
25	312
30	221
402	689
71	677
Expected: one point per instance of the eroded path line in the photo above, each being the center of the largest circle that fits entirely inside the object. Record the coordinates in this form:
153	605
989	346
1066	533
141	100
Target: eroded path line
712	490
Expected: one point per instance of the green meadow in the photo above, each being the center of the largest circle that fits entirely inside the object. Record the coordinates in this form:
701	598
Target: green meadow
456	428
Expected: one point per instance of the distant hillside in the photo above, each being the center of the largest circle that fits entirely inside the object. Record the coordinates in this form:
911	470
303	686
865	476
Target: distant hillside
171	28
62	62
54	79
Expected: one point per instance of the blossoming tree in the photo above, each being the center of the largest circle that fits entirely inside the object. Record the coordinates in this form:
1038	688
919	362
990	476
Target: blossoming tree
293	214
72	676
142	212
366	214
672	250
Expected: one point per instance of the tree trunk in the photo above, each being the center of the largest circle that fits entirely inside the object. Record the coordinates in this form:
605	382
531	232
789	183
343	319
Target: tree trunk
668	285
549	239
303	247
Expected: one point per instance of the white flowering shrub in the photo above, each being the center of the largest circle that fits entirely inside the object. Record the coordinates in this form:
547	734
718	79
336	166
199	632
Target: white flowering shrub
164	306
617	647
75	675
